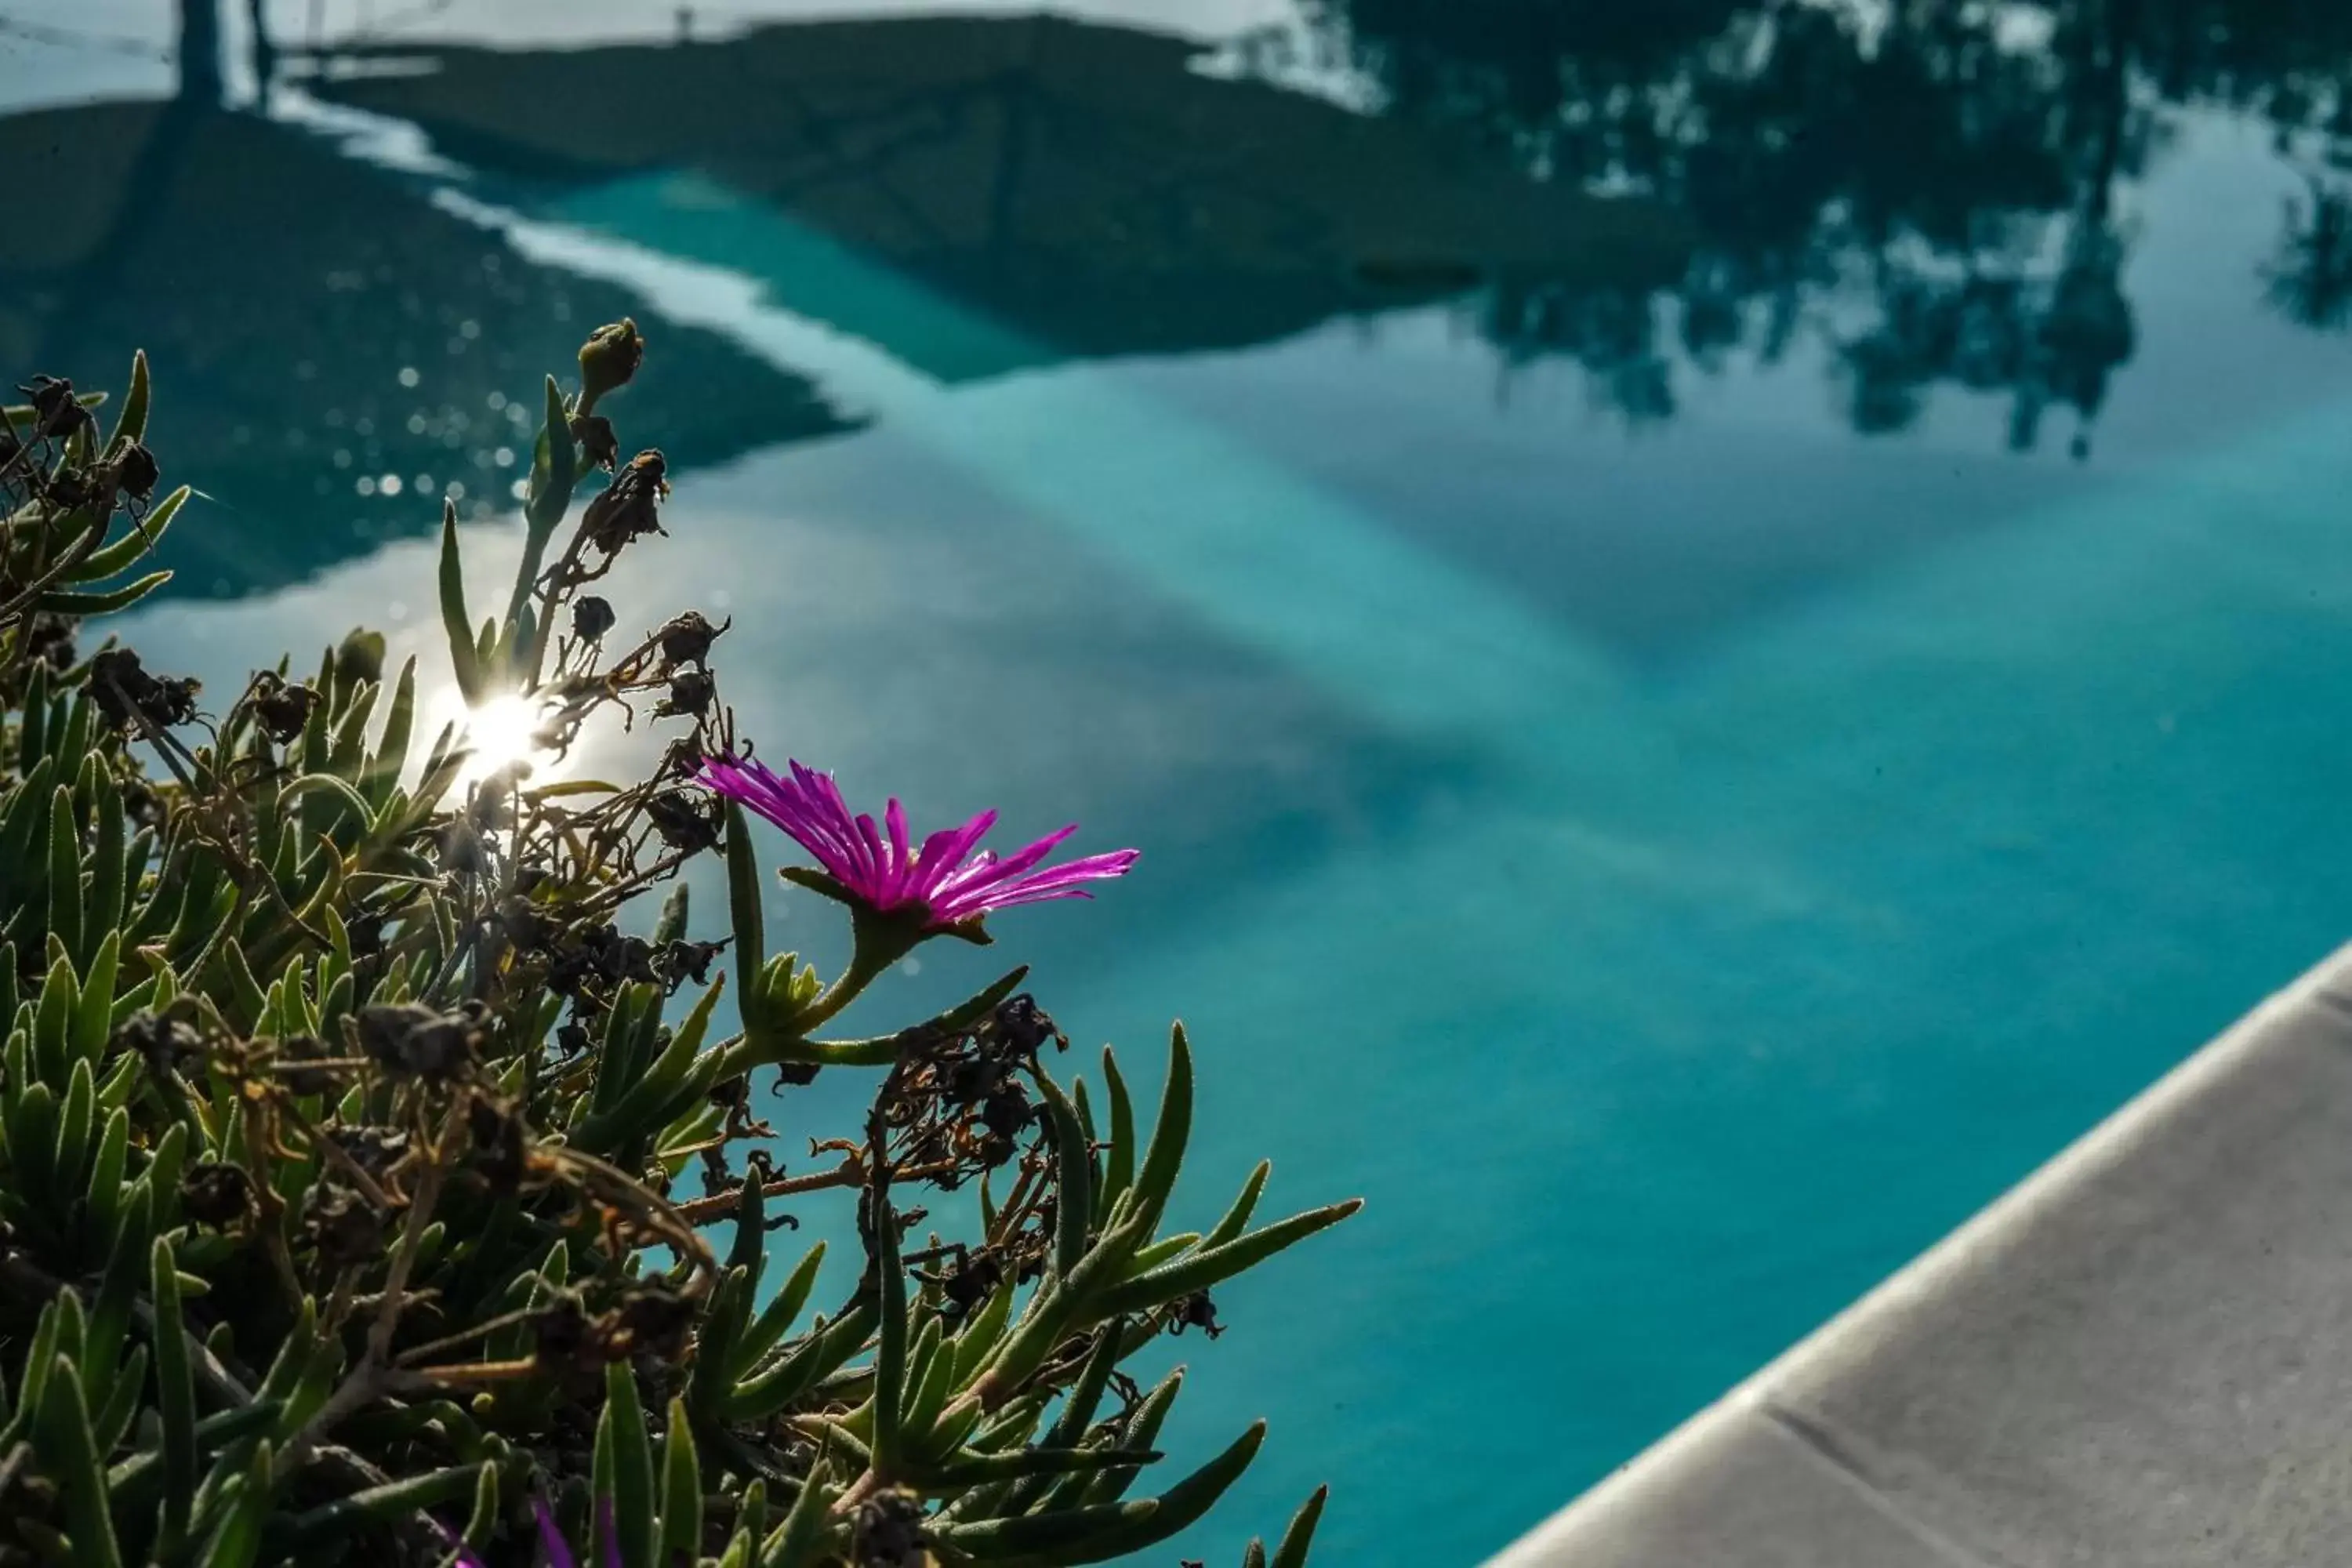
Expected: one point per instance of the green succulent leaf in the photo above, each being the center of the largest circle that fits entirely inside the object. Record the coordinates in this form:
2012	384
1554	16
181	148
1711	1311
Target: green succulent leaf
134	546
103	602
634	1520
175	1394
1157	1179
69	1444
681	1513
1074	1171
130	425
782	1312
457	626
801	1537
1292	1552
1212	1265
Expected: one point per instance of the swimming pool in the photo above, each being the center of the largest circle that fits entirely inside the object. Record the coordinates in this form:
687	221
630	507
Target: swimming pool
1658	763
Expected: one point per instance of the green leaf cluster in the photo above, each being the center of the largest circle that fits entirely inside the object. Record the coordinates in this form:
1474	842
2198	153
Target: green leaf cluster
343	1126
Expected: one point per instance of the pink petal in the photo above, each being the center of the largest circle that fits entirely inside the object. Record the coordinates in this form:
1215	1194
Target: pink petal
783	803
982	875
1054	882
876	886
1089	869
549	1538
936	861
987	904
827	809
957	857
902	857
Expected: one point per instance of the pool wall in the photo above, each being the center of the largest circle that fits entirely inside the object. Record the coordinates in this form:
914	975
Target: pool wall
2142	1355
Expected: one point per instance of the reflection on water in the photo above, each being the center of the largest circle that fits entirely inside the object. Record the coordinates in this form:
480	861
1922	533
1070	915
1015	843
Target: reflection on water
1938	192
1551	523
1080	189
355	351
1935	184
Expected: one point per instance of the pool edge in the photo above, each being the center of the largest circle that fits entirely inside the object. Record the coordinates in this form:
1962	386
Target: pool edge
2050	1382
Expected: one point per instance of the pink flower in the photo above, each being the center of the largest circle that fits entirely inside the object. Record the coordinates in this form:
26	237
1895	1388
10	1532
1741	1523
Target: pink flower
947	877
551	1539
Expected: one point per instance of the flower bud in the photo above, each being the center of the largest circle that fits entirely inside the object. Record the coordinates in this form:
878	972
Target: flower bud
608	359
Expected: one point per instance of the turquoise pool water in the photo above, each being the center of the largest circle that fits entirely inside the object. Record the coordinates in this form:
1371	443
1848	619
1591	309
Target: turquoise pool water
1679	747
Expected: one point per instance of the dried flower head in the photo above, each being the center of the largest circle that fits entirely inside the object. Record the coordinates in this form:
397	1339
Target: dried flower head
597	442
339	1225
686	639
127	694
217	1194
592	618
167	1044
283	710
691	692
136	472
628	508
57	411
685	819
417	1041
49	638
887	1532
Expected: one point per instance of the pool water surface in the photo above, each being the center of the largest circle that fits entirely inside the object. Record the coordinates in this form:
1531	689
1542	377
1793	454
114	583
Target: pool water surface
1721	624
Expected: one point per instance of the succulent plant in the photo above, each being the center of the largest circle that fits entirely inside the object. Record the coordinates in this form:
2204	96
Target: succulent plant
343	1114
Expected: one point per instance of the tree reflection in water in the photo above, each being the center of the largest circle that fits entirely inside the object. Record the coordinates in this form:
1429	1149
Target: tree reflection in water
1927	186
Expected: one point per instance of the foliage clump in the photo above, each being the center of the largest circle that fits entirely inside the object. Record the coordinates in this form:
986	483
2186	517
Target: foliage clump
347	1128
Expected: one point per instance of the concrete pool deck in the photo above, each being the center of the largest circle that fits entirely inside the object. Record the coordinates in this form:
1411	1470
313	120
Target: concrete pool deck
2142	1355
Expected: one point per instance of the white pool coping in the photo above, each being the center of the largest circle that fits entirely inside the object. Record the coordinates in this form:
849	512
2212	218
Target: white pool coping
2141	1357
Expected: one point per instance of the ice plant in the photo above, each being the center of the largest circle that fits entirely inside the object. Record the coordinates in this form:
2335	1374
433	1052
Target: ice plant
554	1549
550	1540
946	882
325	1209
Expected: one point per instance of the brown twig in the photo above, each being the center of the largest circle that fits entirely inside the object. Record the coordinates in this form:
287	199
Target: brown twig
848	1173
374	1374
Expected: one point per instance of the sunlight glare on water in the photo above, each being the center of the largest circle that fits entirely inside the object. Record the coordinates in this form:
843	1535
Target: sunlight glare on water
500	733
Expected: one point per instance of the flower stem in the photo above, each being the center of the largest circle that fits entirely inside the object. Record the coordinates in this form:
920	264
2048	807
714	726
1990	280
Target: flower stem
846	988
879	941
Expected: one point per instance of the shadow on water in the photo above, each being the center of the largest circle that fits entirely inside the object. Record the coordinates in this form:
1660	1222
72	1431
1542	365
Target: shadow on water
1080	191
337	341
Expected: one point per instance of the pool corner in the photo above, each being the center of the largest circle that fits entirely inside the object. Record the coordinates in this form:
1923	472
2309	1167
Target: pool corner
2141	1354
